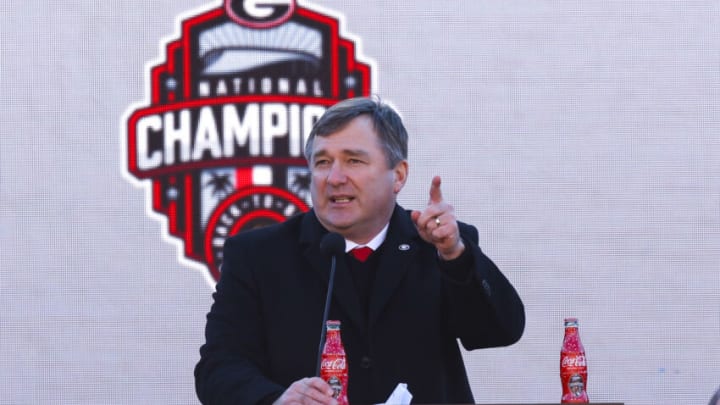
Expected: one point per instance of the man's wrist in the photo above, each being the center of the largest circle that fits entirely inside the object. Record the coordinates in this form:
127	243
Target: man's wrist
454	253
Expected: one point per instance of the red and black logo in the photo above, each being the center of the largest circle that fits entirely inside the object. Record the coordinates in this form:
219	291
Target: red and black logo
219	142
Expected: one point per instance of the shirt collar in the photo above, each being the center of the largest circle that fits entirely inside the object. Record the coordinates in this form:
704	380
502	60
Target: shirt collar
374	243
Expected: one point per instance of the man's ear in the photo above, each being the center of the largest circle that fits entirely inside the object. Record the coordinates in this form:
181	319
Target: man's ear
401	173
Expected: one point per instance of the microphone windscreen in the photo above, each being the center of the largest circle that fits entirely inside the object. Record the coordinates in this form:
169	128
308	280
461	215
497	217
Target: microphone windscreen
332	244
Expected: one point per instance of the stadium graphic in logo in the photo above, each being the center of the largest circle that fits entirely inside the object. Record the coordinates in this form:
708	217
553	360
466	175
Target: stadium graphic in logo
218	144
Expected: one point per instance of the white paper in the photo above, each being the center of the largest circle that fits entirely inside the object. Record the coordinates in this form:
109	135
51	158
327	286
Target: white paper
400	396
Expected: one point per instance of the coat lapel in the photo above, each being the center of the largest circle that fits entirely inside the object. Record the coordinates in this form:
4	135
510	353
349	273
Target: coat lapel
344	295
399	249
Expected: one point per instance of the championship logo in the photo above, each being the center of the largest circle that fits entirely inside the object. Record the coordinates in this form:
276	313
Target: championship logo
218	144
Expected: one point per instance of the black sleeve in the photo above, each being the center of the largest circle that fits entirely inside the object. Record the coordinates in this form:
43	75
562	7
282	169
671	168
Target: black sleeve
484	309
458	270
230	370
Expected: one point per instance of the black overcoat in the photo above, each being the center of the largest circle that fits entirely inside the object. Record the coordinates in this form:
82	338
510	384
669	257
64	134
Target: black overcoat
263	328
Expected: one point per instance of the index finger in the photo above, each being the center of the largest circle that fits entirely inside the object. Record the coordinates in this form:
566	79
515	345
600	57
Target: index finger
435	193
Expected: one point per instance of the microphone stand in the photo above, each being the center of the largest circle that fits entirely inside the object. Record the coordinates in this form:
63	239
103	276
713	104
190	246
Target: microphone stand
328	298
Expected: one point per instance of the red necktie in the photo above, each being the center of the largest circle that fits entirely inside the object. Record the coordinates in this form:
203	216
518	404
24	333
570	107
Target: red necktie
361	253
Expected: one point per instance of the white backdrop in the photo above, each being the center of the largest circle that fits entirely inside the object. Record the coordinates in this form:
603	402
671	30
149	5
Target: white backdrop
581	137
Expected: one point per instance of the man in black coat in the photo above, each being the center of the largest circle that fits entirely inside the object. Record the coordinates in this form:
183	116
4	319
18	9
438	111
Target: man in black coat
426	284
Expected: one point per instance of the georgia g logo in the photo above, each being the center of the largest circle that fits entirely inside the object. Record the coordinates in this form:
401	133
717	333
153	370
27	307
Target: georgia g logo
218	143
259	13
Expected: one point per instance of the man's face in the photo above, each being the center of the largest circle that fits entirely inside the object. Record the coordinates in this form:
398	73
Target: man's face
353	189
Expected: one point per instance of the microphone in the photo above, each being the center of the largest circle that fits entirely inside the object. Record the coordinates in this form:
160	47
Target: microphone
332	244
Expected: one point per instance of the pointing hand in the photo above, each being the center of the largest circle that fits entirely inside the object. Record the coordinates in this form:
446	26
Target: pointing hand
437	224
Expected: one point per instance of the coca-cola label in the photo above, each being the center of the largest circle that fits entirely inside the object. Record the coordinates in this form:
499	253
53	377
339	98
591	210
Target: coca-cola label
333	364
333	369
573	361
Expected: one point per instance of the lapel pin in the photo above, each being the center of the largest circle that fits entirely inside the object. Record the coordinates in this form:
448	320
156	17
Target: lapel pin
404	247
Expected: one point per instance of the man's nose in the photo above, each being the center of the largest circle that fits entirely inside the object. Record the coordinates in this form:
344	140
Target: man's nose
336	174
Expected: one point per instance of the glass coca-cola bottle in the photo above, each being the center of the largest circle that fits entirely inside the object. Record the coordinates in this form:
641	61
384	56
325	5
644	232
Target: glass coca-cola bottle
333	365
573	367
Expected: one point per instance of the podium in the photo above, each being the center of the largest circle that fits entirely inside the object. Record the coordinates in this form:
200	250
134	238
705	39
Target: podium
538	403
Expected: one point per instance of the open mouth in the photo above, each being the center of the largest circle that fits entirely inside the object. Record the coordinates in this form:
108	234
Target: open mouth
341	199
